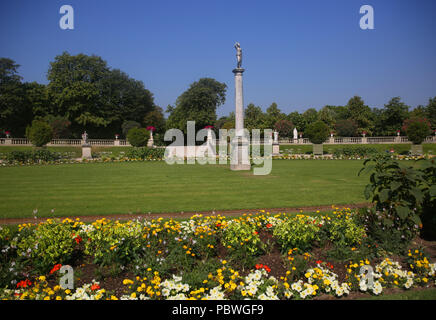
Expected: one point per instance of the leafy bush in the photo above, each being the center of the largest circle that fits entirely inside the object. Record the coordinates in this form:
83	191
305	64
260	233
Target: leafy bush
40	133
317	132
345	231
396	193
50	243
417	129
138	137
298	232
429	204
32	156
145	153
242	241
356	151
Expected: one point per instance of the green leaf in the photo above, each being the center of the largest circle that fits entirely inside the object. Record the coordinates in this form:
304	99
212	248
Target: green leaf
402	212
432	190
383	195
395	185
368	191
388	222
417	194
416	219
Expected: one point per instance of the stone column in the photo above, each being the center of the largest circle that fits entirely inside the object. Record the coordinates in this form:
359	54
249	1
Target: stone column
239	153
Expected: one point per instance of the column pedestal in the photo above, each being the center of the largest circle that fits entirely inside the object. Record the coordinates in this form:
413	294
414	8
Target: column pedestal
240	150
86	152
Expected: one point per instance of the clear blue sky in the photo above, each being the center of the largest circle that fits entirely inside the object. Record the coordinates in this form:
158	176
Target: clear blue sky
300	54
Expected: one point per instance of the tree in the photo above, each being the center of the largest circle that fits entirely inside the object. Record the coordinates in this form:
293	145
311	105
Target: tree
327	115
129	124
317	132
346	128
417	129
156	119
60	126
273	114
254	118
297	120
361	114
393	116
13	109
310	116
39	133
284	128
93	97
431	112
198	103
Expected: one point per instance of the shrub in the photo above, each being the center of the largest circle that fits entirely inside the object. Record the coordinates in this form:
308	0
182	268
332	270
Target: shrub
396	193
317	132
417	129
145	153
32	156
138	137
40	133
356	151
344	231
242	241
429	204
50	243
298	232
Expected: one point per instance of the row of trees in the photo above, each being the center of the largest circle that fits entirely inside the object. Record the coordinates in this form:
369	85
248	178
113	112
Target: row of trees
350	120
84	93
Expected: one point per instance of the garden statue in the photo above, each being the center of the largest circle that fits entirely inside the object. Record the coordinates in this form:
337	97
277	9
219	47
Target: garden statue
238	55
85	138
295	134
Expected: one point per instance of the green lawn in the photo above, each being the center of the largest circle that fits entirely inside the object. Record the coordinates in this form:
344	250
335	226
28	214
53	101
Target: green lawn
111	188
427	294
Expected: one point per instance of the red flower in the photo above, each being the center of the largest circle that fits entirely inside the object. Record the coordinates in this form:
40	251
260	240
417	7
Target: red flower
218	225
208	127
255	232
269	225
55	268
78	239
318	261
259	266
95	287
24	283
151	128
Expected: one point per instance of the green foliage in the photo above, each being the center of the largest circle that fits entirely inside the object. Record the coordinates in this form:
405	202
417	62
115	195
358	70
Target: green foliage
428	169
346	128
198	103
396	193
244	242
146	153
284	128
355	151
138	137
40	133
344	231
317	132
298	232
129	124
48	244
417	129
33	156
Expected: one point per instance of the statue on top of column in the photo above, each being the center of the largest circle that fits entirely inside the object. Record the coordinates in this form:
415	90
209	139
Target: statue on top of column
238	55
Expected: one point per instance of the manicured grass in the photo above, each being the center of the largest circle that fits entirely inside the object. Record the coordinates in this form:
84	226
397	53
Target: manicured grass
427	294
111	188
330	148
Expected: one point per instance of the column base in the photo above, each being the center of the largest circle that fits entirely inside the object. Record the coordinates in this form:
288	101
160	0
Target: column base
86	152
240	167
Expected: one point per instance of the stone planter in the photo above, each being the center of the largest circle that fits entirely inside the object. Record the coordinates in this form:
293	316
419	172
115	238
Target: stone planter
317	149
416	149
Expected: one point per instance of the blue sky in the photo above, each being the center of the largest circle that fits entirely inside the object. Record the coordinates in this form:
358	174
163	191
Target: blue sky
299	54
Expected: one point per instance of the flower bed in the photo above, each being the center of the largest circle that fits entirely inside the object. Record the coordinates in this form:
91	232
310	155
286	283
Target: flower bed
260	256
